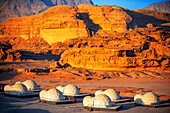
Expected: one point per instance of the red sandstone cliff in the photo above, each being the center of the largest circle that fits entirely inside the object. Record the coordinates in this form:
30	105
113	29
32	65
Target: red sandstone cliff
95	37
18	8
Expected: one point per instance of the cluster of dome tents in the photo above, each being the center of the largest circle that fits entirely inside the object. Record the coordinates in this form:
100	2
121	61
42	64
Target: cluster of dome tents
69	89
106	98
59	93
146	99
101	99
21	88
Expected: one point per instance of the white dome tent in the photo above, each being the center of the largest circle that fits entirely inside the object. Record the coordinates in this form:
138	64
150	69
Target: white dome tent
88	101
101	101
71	90
111	93
146	99
60	88
30	84
16	89
52	95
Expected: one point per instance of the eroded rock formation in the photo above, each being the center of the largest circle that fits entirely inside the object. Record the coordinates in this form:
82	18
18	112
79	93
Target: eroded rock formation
52	25
141	47
94	37
8	54
81	21
18	8
73	22
104	17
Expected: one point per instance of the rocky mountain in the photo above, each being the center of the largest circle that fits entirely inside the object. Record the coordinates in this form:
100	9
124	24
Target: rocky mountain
94	37
159	6
18	8
63	22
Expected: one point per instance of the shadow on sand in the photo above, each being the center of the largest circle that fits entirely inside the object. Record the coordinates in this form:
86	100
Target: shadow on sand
7	75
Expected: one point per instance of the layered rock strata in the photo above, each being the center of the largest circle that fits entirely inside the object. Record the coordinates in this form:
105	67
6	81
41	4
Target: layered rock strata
18	8
142	47
51	25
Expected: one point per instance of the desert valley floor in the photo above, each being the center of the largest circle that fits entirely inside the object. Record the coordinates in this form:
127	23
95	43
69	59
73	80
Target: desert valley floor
87	81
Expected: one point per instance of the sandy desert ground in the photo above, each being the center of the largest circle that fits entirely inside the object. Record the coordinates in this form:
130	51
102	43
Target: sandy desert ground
128	86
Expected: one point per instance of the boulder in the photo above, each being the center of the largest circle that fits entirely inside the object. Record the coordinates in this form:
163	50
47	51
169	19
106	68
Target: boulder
2	55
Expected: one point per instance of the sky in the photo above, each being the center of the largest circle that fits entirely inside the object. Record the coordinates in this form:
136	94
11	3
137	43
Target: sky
130	4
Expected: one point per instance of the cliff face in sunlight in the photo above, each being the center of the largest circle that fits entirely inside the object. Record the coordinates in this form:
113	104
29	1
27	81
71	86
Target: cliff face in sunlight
54	26
112	18
18	8
51	25
63	22
139	48
94	37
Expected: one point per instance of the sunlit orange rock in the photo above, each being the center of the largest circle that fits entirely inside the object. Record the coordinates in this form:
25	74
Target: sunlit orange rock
95	37
139	48
51	25
104	17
